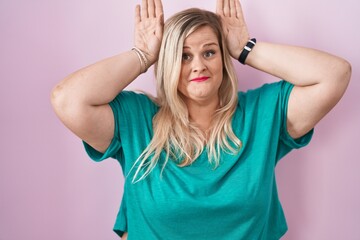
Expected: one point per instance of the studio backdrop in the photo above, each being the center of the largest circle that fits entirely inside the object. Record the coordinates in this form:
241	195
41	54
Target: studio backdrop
50	189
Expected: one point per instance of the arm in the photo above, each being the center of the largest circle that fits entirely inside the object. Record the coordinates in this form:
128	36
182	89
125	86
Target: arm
320	79
81	100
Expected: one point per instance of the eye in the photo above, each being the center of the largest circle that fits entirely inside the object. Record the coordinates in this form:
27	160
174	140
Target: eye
186	57
209	53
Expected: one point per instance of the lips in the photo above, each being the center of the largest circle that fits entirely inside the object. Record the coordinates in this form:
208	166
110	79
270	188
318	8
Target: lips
199	79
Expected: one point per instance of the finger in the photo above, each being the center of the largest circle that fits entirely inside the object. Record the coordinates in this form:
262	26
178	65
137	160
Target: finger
159	26
232	8
159	9
137	14
226	8
219	7
144	7
239	13
151	9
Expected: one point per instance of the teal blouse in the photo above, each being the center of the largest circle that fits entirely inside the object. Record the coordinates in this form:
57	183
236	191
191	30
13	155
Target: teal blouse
237	200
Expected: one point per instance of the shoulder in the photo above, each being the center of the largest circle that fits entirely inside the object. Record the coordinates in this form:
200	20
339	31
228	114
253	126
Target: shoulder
266	93
136	96
135	100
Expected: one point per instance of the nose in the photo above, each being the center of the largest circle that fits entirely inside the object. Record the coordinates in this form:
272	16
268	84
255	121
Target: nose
198	64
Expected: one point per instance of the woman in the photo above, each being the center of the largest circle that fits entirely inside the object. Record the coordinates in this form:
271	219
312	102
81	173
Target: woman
199	159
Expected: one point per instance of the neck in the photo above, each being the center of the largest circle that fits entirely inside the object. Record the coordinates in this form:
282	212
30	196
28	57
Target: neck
201	113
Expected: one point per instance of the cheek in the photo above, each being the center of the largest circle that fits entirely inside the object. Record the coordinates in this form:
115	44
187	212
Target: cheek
182	85
184	71
220	66
183	78
218	69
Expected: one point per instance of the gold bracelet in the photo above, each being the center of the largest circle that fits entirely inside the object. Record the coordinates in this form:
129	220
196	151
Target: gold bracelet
142	56
141	61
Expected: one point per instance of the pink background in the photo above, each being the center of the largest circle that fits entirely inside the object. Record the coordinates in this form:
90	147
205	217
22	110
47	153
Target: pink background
51	190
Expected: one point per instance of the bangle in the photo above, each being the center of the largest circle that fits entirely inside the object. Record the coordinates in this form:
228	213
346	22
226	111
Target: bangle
247	49
142	58
141	62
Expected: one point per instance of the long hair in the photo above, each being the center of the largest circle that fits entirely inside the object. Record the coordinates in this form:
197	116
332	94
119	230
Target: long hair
174	133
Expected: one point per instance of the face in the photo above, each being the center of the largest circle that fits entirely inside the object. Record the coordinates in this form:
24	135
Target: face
202	67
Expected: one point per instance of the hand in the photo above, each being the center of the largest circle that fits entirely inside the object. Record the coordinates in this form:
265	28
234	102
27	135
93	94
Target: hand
234	26
149	24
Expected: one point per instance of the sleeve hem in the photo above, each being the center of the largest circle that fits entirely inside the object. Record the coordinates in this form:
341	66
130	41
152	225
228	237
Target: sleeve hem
285	136
99	156
298	142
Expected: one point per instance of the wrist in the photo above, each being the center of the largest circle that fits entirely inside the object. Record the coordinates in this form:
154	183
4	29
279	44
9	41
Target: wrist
246	50
144	63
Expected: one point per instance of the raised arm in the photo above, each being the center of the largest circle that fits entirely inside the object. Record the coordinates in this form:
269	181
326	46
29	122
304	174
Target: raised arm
320	78
81	100
320	81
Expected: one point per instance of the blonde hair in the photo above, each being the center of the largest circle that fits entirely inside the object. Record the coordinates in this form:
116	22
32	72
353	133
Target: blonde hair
174	133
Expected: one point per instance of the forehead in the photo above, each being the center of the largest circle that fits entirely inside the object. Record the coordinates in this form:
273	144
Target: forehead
201	36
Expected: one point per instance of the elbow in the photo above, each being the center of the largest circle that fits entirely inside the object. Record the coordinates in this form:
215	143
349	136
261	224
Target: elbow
57	97
347	71
62	100
338	76
340	79
343	75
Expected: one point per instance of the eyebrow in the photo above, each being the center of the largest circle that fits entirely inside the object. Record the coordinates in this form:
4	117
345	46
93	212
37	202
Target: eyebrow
206	45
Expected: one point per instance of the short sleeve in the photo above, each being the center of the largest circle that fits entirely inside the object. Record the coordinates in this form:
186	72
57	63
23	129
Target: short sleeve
133	113
111	151
287	143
